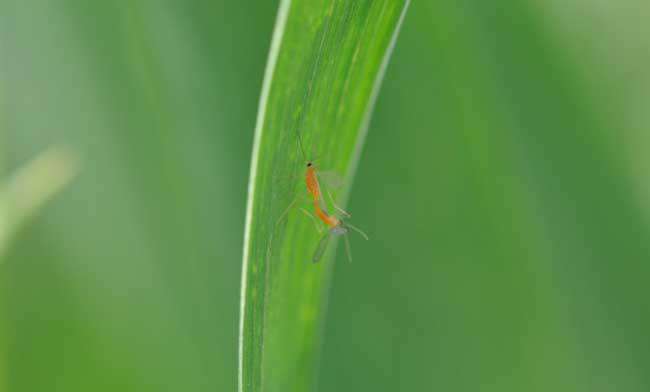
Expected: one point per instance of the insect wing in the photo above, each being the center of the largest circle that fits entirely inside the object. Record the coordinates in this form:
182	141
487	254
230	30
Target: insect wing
331	179
322	245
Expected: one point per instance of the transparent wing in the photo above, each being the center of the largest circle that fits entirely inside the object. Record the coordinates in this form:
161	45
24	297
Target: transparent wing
331	179
322	245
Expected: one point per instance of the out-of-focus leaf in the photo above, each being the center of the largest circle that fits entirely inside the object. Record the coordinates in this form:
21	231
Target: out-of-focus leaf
30	187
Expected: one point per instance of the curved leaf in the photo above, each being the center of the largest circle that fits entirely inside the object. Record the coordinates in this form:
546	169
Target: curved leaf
326	62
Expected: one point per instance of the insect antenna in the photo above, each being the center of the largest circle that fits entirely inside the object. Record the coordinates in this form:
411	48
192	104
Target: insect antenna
302	148
358	230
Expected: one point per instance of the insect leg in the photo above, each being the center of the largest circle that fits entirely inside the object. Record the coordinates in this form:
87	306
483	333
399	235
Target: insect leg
316	222
348	248
339	209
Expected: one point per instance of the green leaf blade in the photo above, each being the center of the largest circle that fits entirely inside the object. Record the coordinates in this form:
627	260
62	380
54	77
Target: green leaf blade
323	74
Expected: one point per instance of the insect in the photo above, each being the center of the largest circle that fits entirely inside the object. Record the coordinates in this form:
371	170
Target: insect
335	225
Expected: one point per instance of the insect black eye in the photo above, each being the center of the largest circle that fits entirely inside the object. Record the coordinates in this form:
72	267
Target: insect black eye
308	164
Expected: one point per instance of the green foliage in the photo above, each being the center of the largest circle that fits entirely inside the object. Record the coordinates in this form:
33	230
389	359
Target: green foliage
325	99
504	185
510	234
128	280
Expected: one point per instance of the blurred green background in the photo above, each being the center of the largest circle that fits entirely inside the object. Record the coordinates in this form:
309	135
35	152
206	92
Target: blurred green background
505	186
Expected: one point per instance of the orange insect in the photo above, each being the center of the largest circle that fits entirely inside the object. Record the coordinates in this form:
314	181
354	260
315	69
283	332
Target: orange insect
336	225
313	188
